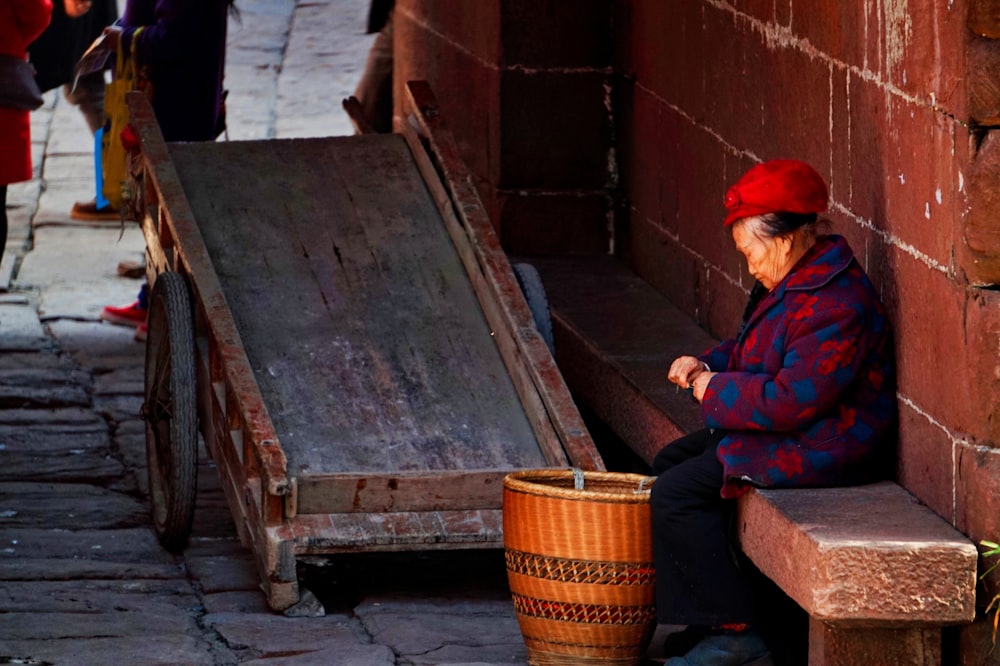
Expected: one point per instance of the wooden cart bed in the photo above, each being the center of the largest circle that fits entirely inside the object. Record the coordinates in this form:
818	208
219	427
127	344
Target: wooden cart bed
367	368
367	341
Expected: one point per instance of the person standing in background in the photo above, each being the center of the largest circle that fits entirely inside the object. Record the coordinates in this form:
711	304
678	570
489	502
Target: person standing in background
181	47
374	91
75	25
21	21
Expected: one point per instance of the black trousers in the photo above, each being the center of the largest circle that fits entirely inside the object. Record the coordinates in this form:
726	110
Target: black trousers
699	577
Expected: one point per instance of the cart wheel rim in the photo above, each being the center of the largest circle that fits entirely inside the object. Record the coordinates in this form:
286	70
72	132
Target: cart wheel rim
170	410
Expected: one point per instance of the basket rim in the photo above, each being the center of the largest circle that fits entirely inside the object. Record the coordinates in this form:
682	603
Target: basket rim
531	482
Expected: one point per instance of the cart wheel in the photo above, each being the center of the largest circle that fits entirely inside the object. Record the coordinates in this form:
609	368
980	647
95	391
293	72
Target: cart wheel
170	411
534	293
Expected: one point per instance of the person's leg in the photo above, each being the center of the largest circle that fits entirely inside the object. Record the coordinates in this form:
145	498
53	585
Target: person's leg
374	90
699	581
3	219
689	446
88	96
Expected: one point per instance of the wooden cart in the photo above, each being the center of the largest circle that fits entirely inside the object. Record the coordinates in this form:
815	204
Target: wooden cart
337	319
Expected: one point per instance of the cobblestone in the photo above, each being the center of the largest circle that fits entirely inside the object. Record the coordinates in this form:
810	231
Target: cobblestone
83	579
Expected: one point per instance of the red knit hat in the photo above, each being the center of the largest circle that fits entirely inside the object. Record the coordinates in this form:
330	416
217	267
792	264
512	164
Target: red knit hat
777	186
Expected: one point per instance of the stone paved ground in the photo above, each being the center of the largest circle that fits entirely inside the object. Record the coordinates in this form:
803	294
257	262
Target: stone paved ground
83	579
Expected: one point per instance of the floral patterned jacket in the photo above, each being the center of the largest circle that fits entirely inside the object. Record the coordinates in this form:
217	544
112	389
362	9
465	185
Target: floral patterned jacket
807	391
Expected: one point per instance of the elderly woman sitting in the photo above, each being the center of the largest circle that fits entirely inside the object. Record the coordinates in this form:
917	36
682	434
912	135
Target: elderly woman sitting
804	395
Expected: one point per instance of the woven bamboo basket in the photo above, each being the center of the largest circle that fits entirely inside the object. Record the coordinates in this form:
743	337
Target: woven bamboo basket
580	565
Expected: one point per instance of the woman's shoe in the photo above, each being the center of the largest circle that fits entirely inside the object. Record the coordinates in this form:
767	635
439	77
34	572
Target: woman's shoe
129	315
746	648
683	641
89	212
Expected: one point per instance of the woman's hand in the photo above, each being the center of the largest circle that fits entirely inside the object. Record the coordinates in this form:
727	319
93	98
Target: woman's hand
690	373
112	36
684	369
76	8
700	383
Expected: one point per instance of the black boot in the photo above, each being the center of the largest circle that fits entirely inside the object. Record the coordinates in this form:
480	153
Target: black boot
745	648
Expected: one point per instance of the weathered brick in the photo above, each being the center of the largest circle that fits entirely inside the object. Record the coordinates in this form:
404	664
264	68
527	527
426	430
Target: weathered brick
644	155
835	28
979	255
983	81
660	261
667	50
975	641
913	67
761	10
874	40
929	310
925	467
948	82
795	97
840	138
474	26
467	91
983	18
870	249
982	326
868	145
555	130
736	81
701	187
977	496
544	33
532	223
922	189
726	301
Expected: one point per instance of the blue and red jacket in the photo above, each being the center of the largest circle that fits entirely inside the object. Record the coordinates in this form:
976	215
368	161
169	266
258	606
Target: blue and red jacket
807	391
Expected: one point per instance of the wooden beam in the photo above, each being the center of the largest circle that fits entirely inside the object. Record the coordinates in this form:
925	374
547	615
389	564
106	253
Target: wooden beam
375	492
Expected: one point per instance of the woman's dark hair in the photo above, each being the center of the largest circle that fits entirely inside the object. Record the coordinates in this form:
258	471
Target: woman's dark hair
773	225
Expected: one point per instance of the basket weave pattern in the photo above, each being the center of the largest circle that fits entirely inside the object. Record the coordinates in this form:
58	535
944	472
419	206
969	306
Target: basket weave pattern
591	613
579	564
576	571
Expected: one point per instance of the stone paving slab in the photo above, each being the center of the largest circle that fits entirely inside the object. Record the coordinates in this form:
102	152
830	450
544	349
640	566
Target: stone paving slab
68	506
97	597
29	380
462	625
68	417
65	465
79	282
151	650
76	569
101	347
22	626
20	329
118	546
78	557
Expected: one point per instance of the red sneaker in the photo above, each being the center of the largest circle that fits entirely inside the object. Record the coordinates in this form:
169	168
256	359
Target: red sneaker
129	315
141	332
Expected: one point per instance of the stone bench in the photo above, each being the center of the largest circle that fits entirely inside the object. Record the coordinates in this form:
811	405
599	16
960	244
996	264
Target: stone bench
878	573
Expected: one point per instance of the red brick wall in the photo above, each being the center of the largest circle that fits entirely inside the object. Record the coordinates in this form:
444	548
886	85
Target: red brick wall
882	98
525	86
891	100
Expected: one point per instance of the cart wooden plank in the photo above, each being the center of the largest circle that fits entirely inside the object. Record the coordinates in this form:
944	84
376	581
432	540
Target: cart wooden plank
362	328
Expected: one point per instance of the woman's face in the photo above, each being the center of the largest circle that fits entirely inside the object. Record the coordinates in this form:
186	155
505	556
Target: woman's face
767	257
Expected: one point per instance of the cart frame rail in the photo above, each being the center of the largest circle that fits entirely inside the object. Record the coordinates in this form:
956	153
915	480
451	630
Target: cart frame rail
280	517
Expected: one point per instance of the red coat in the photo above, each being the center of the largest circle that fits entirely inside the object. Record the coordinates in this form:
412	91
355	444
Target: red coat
807	392
21	21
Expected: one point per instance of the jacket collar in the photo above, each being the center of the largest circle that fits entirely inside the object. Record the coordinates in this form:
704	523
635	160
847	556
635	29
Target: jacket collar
828	256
